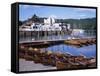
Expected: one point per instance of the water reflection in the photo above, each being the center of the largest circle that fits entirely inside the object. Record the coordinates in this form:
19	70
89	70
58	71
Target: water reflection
53	35
88	51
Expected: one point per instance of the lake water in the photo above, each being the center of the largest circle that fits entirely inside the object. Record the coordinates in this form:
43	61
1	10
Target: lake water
88	51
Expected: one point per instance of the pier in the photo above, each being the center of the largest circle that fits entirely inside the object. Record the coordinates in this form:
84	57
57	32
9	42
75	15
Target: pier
74	42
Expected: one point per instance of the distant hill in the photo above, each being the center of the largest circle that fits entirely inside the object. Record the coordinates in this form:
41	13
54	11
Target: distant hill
87	23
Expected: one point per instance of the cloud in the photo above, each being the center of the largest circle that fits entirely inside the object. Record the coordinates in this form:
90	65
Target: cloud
85	9
82	15
54	16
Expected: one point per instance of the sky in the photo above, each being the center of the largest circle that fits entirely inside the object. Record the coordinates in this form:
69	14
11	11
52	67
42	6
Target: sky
27	11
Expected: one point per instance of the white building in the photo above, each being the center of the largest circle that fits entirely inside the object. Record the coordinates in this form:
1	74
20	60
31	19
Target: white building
68	26
49	25
49	21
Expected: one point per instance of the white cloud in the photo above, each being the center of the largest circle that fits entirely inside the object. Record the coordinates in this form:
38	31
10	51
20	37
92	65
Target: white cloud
86	9
82	15
54	16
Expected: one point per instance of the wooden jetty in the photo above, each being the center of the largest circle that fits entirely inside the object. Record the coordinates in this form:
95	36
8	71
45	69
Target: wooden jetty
73	42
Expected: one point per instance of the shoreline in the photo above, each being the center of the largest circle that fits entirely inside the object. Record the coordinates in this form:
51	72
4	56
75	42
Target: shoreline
31	66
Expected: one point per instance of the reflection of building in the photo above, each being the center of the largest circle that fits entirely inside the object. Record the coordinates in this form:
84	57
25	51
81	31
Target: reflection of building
77	32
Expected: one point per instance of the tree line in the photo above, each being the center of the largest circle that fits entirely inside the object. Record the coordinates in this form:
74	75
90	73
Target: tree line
87	23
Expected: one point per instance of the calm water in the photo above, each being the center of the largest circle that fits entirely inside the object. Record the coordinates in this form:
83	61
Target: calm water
88	51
